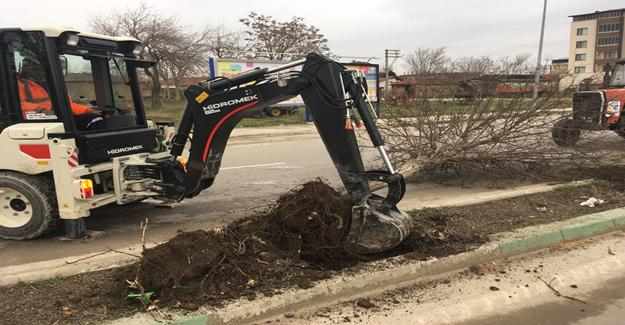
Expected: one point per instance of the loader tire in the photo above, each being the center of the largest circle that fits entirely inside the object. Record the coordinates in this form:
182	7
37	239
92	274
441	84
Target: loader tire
565	133
28	206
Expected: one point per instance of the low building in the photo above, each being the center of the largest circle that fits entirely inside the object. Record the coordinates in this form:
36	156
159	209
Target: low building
430	85
559	66
468	86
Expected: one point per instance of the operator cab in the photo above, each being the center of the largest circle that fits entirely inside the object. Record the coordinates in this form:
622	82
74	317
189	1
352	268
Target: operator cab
86	81
617	79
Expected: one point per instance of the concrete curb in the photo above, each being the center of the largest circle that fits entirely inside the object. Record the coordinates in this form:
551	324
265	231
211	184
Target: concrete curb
389	276
254	134
264	135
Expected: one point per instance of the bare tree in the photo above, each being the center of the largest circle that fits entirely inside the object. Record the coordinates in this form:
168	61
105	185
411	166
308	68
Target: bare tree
487	136
470	64
187	57
427	60
517	64
176	51
226	43
154	30
282	40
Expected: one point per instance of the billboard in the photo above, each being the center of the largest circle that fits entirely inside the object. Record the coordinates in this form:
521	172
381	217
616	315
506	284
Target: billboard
229	67
371	73
220	67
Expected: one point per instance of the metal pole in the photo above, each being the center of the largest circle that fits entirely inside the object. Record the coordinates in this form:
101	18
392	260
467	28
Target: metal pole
287	66
540	53
386	74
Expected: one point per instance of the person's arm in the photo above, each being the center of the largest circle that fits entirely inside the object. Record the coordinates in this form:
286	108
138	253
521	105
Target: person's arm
80	109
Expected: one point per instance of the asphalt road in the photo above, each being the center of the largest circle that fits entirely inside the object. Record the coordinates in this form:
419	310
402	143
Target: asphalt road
252	175
587	280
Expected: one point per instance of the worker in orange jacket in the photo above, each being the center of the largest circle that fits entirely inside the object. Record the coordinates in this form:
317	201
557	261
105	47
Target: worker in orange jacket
35	98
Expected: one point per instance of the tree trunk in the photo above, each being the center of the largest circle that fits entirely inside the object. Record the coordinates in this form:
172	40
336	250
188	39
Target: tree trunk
177	88
167	83
156	88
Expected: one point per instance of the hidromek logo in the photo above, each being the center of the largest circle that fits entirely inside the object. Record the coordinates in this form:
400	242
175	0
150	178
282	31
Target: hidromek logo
215	108
125	149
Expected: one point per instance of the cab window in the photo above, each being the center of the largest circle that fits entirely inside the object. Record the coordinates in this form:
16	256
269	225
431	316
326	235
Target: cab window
31	77
618	76
99	92
79	80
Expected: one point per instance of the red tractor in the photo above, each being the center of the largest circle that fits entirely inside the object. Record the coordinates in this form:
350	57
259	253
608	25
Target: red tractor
595	109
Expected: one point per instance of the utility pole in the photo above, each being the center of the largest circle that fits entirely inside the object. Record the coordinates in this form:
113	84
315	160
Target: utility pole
540	53
394	54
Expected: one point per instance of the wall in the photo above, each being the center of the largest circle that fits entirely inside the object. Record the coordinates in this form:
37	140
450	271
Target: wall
589	51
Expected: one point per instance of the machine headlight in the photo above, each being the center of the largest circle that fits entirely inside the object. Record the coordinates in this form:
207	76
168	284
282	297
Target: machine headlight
72	40
137	50
613	109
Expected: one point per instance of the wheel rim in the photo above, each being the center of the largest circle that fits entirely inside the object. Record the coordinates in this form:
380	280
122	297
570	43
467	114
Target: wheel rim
15	208
275	112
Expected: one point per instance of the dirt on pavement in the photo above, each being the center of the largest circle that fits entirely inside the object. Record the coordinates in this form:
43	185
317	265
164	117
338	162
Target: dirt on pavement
294	244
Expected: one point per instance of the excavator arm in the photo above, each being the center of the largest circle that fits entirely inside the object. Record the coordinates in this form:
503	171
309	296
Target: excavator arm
331	93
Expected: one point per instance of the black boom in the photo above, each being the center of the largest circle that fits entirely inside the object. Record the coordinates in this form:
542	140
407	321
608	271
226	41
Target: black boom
330	92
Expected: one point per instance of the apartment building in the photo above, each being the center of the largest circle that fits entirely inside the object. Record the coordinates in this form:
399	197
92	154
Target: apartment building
596	40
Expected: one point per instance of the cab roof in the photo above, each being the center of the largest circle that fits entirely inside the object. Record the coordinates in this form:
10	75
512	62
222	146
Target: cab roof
56	31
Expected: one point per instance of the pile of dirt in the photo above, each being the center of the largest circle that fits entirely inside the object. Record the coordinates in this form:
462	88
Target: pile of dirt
295	242
310	223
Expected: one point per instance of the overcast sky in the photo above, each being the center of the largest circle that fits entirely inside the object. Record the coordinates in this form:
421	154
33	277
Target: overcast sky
358	28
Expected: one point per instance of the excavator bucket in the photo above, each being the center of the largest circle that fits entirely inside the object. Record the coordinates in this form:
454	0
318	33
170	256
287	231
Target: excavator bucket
376	229
377	224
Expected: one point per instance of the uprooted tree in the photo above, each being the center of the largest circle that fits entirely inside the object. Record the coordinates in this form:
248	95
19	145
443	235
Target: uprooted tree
432	132
490	135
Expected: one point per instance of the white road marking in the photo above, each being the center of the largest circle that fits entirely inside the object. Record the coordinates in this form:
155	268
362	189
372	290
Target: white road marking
248	145
286	167
254	166
262	183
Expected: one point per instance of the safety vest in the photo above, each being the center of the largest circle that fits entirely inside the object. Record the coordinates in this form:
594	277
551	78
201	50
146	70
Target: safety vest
33	97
